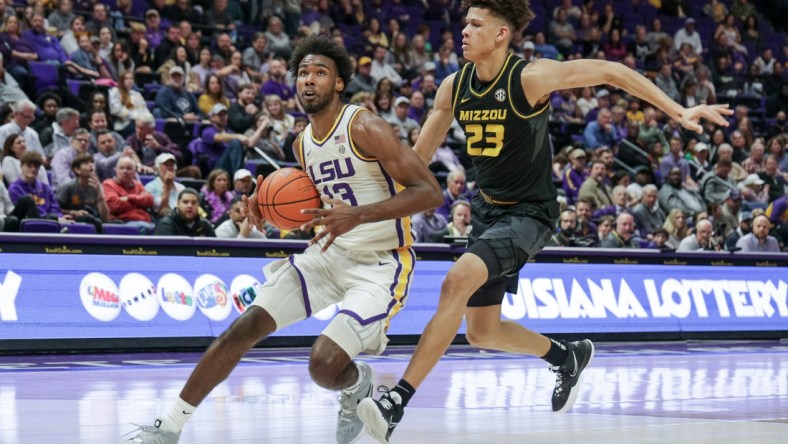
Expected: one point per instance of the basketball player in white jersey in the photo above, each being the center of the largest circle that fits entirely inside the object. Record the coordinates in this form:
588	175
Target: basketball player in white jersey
373	183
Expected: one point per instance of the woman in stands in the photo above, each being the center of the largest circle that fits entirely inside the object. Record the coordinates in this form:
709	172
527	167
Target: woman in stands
215	195
13	149
214	93
677	228
125	104
16	53
281	121
120	59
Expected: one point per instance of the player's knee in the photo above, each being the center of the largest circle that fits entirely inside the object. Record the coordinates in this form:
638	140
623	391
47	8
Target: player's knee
250	327
326	363
481	338
454	289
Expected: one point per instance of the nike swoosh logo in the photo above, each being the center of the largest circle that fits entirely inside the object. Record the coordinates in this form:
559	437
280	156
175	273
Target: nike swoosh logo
464	99
185	413
382	263
309	152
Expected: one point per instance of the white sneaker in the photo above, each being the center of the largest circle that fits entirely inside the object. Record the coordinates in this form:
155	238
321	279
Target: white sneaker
153	435
349	426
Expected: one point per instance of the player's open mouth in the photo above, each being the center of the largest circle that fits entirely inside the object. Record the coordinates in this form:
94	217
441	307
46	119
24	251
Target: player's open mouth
309	94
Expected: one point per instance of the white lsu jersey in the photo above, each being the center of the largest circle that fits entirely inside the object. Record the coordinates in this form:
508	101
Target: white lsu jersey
340	171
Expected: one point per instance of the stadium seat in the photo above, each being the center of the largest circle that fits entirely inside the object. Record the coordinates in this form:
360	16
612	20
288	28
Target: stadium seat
121	230
79	228
39	226
45	74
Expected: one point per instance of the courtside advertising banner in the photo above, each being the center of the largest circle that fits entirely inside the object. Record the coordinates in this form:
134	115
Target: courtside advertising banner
109	296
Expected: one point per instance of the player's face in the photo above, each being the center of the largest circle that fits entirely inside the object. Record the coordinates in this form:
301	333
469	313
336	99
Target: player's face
478	36
317	83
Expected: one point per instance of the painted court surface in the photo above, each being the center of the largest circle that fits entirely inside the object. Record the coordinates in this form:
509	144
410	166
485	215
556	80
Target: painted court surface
677	392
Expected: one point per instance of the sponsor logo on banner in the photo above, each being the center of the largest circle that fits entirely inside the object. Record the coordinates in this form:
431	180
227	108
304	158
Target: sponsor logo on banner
212	297
9	288
176	297
99	296
556	298
244	289
138	296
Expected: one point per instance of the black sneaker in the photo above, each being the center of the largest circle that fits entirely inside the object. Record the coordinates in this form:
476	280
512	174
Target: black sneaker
568	374
382	416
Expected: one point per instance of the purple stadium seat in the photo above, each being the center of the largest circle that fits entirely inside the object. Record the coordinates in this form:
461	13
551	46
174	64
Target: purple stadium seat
79	228
39	226
120	229
46	75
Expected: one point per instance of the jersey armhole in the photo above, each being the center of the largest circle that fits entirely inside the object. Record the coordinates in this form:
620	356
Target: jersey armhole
517	98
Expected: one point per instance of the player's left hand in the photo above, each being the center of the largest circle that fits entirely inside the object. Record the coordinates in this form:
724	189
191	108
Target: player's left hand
690	118
337	219
252	207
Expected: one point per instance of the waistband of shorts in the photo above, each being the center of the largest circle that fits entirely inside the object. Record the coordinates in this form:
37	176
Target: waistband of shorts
492	201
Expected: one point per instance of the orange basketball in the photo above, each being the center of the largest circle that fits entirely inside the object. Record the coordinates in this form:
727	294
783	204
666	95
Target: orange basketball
284	194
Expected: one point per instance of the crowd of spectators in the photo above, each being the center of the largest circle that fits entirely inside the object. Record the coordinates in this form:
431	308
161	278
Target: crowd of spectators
161	111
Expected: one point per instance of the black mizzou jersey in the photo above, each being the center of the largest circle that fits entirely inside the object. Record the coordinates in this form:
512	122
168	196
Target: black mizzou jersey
506	137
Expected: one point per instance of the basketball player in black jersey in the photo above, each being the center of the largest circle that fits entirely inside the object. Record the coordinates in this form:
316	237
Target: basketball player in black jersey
501	102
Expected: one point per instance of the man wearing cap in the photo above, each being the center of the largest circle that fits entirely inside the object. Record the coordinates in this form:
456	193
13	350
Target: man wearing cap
363	80
217	137
759	240
185	220
528	51
603	102
401	119
731	211
687	34
153	33
382	69
164	188
575	175
754	193
744	228
700	163
242	182
716	185
175	101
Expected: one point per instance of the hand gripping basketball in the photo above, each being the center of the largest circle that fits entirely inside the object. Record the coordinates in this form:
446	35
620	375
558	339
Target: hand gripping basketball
282	196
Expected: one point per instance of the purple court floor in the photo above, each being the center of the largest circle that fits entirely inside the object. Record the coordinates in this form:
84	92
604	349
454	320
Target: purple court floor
688	392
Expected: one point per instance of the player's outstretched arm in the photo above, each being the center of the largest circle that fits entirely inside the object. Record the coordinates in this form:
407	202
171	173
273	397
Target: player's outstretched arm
544	76
375	138
438	122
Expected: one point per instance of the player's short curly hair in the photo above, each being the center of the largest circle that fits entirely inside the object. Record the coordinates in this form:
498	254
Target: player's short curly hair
517	13
323	46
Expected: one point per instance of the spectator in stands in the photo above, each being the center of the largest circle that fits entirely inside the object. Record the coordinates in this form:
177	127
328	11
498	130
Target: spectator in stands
238	225
775	179
383	69
455	190
575	175
174	101
594	188
282	122
97	121
278	41
765	62
86	63
14	149
99	19
153	33
566	235
11	214
242	111
164	49
623	236
667	83
82	197
60	18
687	34
744	227
164	188
203	69
716	185
277	83
675	159
676	226
148	144
185	220
256	55
547	50
725	151
754	163
181	10
179	57
140	49
213	94
29	185
701	240
562	33
47	47
648	214
673	194
216	138
62	170
650	132
107	154
731	210
363	80
69	39
10	89
585	227
243	183
600	132
261	135
125	104
23	115
428	225
459	225
59	133
236	77
215	195
759	240
126	198
754	192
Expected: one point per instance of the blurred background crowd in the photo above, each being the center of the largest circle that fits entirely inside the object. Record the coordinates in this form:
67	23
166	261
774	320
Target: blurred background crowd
137	117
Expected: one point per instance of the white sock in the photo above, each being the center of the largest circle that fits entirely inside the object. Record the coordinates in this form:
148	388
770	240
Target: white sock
179	413
358	381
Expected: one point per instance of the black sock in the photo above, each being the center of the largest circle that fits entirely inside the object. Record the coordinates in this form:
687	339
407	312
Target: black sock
405	391
557	353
